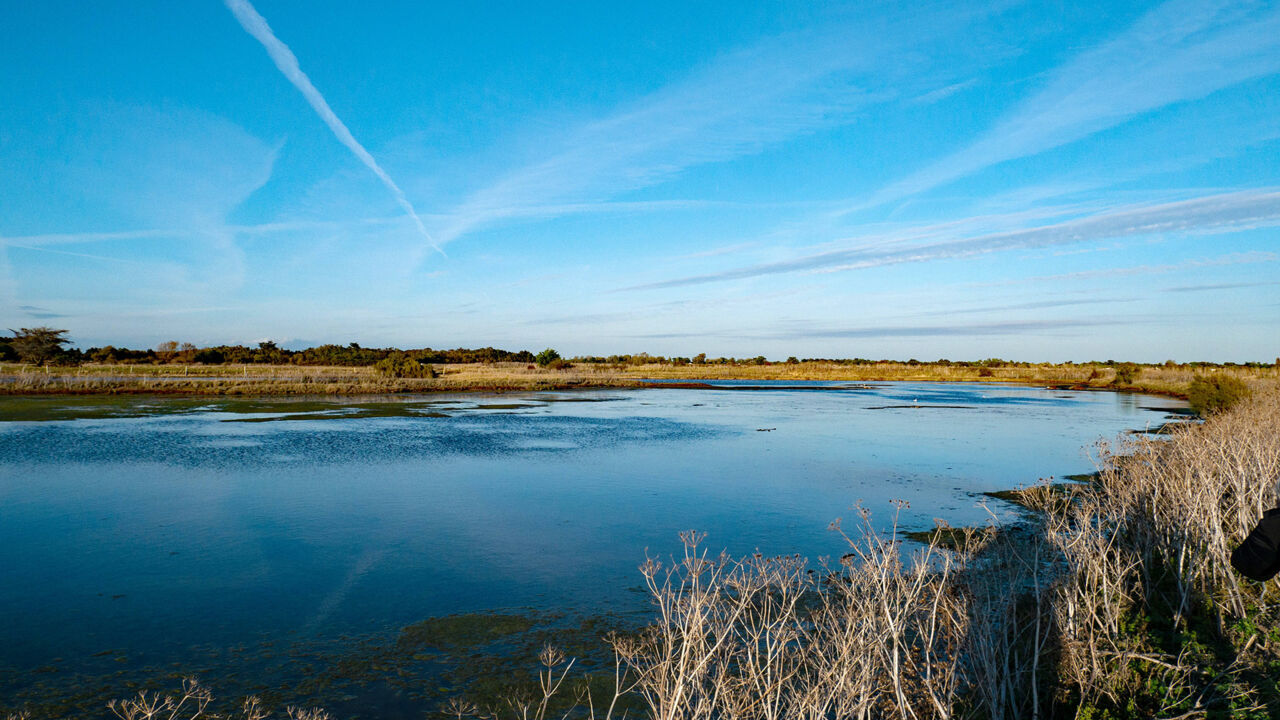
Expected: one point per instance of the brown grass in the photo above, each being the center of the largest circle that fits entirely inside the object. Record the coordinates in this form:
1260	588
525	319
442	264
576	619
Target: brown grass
264	380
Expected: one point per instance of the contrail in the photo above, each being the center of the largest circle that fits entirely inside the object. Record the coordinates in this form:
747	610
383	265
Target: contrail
257	26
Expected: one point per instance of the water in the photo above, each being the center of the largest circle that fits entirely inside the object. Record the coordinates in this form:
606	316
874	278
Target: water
144	536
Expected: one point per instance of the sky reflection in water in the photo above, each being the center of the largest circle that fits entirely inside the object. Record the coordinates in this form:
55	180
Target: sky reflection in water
151	531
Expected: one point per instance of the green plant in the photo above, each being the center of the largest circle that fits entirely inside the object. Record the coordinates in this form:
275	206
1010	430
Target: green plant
548	356
403	366
1126	373
1210	394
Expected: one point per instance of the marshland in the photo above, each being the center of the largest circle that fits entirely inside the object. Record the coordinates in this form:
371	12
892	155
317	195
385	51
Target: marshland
395	554
944	383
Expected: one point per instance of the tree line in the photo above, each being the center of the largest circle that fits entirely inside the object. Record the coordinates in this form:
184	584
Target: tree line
49	346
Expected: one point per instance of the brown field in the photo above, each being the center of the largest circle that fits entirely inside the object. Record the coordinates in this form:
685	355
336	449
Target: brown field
263	380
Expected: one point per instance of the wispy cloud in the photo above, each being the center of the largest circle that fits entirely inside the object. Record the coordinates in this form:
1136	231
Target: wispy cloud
739	103
1215	213
1181	50
1220	286
900	331
285	60
1244	258
948	330
943	93
39	312
1035	305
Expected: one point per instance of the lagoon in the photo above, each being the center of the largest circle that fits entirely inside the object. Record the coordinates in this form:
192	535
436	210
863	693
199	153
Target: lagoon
148	537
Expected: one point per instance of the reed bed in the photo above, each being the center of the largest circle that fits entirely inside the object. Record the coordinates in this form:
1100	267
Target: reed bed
262	380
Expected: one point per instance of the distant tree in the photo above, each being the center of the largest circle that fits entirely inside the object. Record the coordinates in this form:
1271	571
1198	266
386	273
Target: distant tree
166	350
793	360
700	359
548	356
759	360
39	345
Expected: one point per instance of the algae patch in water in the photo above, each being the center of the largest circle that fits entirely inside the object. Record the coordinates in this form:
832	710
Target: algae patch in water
467	630
1046	496
951	538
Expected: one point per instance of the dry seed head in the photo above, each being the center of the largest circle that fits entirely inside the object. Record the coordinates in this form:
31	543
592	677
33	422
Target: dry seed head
550	656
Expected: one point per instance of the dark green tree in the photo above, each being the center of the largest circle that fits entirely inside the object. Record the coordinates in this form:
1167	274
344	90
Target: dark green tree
39	345
548	356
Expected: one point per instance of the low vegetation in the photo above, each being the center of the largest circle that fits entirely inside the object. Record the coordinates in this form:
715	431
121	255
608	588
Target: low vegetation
1209	394
386	376
402	366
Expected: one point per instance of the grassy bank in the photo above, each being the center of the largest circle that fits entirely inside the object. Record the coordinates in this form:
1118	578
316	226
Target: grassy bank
266	380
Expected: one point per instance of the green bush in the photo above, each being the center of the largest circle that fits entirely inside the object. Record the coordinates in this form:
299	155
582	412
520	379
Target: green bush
1126	373
403	366
548	356
1209	394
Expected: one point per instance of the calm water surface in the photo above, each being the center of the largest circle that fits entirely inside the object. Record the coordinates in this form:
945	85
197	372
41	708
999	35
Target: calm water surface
139	533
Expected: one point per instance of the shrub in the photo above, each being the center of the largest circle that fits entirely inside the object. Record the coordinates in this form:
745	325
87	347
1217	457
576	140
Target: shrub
548	356
559	364
403	366
1126	373
1210	394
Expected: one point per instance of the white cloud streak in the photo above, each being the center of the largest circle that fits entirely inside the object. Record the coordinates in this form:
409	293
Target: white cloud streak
1182	50
737	104
1212	214
287	62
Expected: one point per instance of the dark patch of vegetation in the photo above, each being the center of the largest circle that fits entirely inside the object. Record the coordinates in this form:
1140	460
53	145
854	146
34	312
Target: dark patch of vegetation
462	630
1041	497
546	357
403	366
39	345
959	539
1126	373
1210	394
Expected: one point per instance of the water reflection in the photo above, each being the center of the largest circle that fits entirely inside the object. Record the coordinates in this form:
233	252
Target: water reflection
141	529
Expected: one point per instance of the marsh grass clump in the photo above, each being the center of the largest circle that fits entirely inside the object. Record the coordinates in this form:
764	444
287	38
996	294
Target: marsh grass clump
1208	394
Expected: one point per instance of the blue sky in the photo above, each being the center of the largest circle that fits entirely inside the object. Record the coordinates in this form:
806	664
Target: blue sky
962	180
